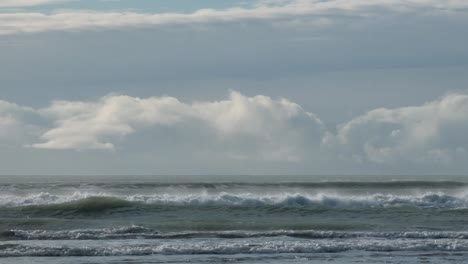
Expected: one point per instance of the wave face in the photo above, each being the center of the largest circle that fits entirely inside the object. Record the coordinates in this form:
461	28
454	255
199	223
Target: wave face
99	201
146	216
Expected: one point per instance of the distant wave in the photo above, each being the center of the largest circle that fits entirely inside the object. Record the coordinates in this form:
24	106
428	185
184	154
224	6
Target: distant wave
139	232
88	201
230	185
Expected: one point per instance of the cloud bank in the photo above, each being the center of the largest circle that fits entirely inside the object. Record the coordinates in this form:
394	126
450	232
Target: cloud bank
28	22
244	127
276	128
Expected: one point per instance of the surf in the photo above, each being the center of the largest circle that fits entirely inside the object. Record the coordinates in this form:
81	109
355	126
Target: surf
89	201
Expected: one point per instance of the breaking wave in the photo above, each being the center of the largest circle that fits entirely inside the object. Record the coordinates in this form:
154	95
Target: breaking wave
87	201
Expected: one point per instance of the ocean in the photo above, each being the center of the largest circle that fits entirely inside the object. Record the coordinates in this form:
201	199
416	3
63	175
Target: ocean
233	219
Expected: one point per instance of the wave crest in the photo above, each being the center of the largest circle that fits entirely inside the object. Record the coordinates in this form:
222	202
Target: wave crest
84	201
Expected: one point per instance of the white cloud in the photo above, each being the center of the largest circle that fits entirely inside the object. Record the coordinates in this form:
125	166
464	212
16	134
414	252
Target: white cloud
242	127
84	125
273	129
20	3
433	132
279	129
256	115
12	23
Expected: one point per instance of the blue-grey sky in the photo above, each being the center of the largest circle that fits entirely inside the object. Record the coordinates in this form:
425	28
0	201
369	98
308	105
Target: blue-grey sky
233	87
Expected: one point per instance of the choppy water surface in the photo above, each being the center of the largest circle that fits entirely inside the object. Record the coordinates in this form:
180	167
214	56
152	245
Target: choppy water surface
233	219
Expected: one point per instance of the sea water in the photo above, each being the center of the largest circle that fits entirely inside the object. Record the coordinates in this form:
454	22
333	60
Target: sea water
244	219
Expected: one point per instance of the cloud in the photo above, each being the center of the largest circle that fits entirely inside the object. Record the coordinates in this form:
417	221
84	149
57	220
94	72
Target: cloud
271	129
16	123
8	119
433	132
20	3
13	23
83	125
241	126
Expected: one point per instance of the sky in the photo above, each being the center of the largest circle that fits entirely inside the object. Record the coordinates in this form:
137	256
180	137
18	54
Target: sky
181	87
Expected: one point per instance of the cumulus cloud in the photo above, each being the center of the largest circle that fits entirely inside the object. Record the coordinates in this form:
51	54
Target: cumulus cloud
433	132
276	128
12	23
84	125
243	127
272	129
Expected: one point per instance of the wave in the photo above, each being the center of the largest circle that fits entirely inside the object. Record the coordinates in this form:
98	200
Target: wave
229	185
139	232
226	247
88	201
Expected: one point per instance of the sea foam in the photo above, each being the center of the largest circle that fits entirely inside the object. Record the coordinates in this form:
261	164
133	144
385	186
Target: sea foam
140	232
227	247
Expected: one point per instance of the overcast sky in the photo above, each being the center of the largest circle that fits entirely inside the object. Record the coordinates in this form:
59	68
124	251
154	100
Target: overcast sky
233	87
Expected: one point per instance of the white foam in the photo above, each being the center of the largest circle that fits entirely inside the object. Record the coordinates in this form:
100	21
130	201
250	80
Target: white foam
219	246
134	231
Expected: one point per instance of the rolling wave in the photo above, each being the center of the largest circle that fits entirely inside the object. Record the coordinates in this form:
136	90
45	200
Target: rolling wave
87	201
